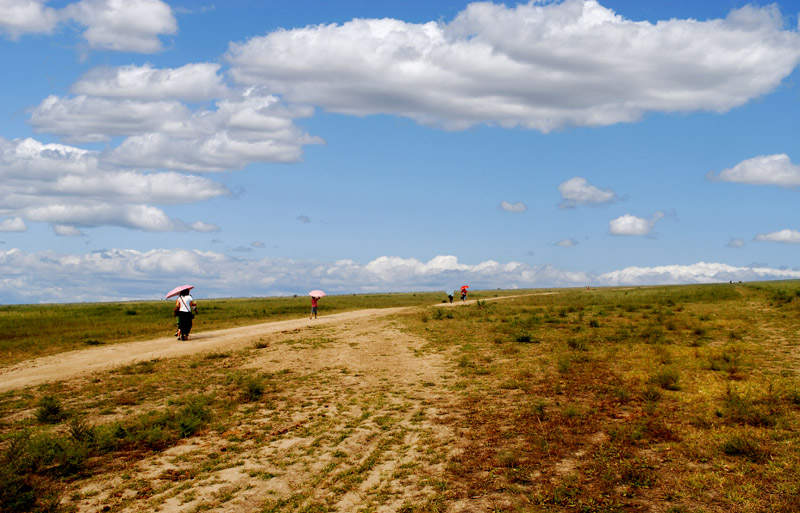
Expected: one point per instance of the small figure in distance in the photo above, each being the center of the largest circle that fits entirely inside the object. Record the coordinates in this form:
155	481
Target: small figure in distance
186	308
314	303
450	297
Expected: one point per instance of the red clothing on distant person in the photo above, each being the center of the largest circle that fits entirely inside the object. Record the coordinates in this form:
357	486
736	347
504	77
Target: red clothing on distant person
314	301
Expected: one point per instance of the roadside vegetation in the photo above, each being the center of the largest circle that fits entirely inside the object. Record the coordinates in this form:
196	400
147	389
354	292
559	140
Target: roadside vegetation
664	399
29	331
654	399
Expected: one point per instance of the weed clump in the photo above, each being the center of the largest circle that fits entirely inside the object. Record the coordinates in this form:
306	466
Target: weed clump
49	410
739	445
667	379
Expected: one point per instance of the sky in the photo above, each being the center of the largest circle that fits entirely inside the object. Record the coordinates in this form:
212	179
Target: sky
256	148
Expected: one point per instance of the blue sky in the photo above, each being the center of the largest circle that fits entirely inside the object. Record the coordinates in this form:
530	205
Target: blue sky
258	148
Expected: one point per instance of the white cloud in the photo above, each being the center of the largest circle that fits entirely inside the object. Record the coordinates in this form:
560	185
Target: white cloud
513	207
763	170
192	82
129	274
577	191
70	187
540	66
26	16
786	236
63	230
735	243
249	126
13	224
304	219
701	272
125	274
632	225
566	243
122	25
90	119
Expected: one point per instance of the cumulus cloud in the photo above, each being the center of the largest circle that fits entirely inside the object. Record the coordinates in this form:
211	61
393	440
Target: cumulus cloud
786	236
122	25
129	274
246	126
516	208
257	244
735	243
304	219
763	170
577	191
13	224
26	16
193	82
566	243
70	187
538	65
632	225
701	272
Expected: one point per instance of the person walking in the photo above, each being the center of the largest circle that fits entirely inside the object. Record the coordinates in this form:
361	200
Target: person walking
314	303
185	309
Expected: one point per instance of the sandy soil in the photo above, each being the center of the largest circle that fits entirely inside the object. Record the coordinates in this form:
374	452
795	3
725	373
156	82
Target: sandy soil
75	363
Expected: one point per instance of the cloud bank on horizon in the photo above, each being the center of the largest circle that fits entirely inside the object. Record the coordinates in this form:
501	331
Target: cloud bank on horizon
121	274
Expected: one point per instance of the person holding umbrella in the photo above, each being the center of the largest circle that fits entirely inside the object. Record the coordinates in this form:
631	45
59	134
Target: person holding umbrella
464	292
315	295
185	309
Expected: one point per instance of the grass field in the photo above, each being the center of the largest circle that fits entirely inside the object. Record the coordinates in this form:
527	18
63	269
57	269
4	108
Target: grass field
28	331
655	399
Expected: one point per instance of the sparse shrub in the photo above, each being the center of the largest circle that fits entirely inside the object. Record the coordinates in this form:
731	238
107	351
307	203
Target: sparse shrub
216	355
508	458
438	313
130	312
653	334
741	409
252	389
571	411
667	379
49	410
594	324
651	394
740	445
525	338
93	342
638	473
576	344
564	364
260	344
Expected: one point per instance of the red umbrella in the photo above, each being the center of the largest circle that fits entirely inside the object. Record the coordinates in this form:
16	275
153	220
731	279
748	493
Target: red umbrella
178	290
316	293
464	287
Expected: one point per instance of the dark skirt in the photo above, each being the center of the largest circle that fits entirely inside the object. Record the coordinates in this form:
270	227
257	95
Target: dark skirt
185	322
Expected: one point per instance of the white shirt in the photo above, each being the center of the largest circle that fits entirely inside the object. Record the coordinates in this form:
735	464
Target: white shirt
185	303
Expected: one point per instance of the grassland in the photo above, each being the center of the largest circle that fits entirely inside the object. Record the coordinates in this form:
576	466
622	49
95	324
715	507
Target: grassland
657	399
28	331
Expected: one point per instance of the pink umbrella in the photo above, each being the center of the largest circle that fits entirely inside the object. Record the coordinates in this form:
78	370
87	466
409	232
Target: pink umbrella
316	293
177	290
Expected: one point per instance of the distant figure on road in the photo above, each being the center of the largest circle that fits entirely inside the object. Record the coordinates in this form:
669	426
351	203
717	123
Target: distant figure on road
185	308
314	302
464	292
450	297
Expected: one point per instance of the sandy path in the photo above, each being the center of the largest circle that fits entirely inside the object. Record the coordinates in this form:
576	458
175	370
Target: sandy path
83	361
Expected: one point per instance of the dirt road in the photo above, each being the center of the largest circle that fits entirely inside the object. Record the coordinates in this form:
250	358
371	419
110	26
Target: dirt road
74	363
